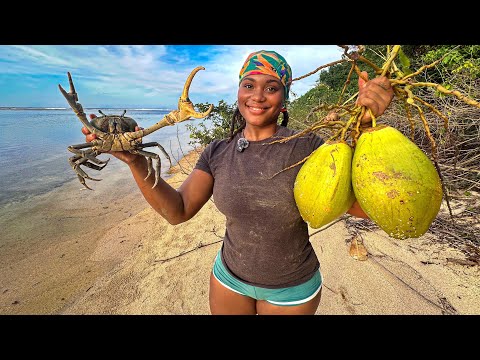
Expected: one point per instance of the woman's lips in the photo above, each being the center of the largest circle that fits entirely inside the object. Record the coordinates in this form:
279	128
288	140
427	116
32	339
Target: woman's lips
256	110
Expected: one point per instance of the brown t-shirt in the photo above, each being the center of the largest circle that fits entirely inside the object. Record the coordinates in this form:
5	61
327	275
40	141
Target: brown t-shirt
266	241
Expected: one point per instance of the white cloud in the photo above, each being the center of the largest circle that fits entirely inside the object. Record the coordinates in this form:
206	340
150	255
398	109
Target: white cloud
155	74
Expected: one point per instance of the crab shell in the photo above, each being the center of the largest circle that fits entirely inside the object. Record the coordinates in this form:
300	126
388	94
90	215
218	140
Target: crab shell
114	124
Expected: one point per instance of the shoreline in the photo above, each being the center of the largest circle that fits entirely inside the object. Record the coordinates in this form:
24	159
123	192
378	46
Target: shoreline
49	238
111	254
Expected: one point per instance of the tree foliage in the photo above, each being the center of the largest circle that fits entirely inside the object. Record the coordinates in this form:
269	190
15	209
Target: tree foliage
460	65
451	74
300	108
215	126
328	88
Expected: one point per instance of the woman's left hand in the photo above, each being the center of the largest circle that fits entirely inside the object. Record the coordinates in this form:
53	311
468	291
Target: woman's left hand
375	94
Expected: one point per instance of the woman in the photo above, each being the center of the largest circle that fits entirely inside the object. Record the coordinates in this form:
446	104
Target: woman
266	264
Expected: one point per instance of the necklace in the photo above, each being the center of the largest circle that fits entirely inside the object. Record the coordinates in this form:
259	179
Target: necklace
242	143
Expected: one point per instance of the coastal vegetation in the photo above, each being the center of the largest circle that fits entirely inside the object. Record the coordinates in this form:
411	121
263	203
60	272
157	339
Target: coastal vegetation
458	147
444	122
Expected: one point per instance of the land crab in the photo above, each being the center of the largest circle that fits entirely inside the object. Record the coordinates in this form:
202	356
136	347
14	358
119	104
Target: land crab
117	133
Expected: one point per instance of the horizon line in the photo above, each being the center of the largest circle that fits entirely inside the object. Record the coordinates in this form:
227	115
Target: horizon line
89	108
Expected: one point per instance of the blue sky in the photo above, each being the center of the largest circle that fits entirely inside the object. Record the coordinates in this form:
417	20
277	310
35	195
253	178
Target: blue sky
140	76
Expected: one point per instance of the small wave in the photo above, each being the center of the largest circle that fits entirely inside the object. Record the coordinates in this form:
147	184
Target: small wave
87	108
136	109
30	108
146	109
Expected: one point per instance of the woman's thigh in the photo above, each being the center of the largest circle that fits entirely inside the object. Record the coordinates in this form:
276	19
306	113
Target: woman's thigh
224	301
308	308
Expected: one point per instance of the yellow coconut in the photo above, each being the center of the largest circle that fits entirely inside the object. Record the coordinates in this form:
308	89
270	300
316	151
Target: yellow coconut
395	182
322	188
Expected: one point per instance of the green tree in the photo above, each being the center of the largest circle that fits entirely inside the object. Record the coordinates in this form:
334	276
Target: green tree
300	108
215	126
329	86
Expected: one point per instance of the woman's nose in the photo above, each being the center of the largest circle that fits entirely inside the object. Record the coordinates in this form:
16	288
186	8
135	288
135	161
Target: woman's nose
258	95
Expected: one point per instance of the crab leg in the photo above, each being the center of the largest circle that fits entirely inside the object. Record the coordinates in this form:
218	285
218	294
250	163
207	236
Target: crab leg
89	157
149	156
72	99
83	157
88	153
185	110
82	175
80	160
150	144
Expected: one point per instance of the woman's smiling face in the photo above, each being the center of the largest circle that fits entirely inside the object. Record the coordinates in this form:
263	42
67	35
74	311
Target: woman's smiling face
260	99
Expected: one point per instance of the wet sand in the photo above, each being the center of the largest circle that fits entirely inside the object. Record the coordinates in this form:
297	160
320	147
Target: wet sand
107	252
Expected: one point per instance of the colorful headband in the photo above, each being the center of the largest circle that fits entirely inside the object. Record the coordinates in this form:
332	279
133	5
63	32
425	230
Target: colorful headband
270	63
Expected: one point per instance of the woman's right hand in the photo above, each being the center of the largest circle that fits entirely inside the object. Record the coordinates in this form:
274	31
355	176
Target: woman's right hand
125	156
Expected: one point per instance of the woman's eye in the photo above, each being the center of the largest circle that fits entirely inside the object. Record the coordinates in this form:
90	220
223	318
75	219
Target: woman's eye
271	89
248	86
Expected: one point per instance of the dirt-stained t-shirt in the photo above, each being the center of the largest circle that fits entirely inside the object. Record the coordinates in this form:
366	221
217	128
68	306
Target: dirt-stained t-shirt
266	241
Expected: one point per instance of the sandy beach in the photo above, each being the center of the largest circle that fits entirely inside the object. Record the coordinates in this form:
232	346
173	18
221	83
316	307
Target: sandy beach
107	252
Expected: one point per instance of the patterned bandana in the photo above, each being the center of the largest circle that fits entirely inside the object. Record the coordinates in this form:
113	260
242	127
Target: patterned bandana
269	63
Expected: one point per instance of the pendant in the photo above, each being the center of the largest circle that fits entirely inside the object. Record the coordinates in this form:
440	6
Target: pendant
242	144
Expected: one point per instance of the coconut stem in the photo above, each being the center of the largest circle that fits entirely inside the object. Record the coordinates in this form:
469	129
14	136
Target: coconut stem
374	120
352	119
393	55
443	90
427	131
349	76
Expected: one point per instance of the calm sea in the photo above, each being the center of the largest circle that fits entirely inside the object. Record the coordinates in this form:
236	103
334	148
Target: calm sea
34	155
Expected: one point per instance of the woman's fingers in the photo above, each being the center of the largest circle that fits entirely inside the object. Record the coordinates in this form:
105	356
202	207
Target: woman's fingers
89	136
375	94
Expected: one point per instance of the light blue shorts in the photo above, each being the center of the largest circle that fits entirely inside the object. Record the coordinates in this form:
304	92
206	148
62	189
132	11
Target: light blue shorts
289	296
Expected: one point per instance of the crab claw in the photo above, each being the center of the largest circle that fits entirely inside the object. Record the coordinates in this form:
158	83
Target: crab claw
72	99
185	106
185	111
71	96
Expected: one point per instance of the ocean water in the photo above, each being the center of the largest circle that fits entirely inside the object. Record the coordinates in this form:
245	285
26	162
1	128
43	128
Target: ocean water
34	155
